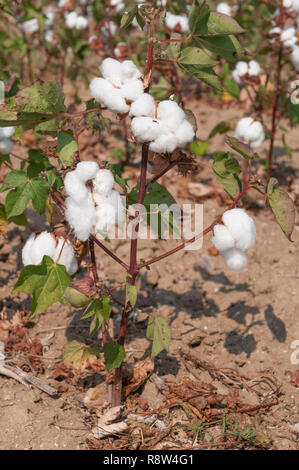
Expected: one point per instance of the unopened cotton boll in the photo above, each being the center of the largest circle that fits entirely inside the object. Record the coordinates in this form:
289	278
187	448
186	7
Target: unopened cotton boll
129	71
132	90
222	239
6	132
241	227
67	256
80	217
235	259
165	143
171	114
146	129
6	146
111	71
103	182
224	8
184	133
143	106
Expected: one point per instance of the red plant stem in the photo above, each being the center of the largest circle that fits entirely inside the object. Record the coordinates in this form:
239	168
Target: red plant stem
159	175
112	255
59	199
81	113
207	230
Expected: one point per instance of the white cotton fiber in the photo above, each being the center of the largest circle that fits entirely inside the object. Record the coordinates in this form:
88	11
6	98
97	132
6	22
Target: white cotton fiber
74	187
184	133
165	143
37	246
248	130
26	252
6	146
105	217
129	71
81	23
224	8
6	132
67	257
132	90
80	217
103	182
171	114
146	129
235	259
241	227
30	26
111	71
143	106
240	70
254	68
86	170
222	239
175	21
71	19
104	92
295	57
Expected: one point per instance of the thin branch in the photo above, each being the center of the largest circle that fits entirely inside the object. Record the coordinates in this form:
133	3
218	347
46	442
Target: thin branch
112	255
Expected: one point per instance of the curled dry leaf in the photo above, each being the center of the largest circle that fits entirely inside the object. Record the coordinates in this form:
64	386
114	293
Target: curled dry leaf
141	372
106	425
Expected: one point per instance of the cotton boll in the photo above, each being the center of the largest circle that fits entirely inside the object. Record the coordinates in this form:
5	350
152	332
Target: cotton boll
86	170
249	130
30	26
171	20
27	249
184	23
254	131
67	257
222	239
164	143
288	36
80	217
224	8
275	31
6	132
295	57
129	71
42	244
287	3
241	128
184	133
81	23
75	187
146	129
116	103
105	216
235	259
49	35
241	227
111	71
104	92
254	144
116	200
6	146
71	19
172	115
132	90
240	70
103	182
254	68
143	106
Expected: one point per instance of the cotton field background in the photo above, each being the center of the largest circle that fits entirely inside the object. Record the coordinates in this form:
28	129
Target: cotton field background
121	124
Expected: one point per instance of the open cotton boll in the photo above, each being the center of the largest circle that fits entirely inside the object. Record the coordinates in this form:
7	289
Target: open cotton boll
184	23
105	217
37	246
294	57
67	257
143	106
184	133
103	182
254	68
146	129
81	23
6	146
242	126
86	170
116	200
104	92
254	131
49	35
71	19
80	217
116	103
275	31
111	71
165	143
6	132
222	239
249	130
132	90
171	114
235	259
173	21
254	144
30	26
241	227
75	187
239	71
288	36
224	8
287	3
129	71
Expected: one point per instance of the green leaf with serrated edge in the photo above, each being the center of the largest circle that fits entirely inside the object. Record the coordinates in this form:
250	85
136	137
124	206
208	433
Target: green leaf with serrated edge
128	17
131	294
17	200
66	147
159	332
199	147
78	355
226	46
241	148
206	75
220	128
226	178
100	310
195	56
40	191
282	206
46	282
114	355
14	179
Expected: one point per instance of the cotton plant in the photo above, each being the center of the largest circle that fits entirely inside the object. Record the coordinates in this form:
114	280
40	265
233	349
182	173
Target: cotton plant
6	144
75	21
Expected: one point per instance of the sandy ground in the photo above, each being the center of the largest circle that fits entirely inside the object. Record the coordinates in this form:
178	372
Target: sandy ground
247	321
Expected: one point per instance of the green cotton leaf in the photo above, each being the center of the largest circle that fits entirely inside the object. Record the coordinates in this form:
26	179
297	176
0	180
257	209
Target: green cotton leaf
159	332
195	56
14	179
217	24
282	206
226	46
174	48
198	14
205	74
231	87
241	148
286	146
128	17
220	128
78	355
114	355
66	148
131	294
100	310
226	170
199	147
17	200
46	282
37	162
